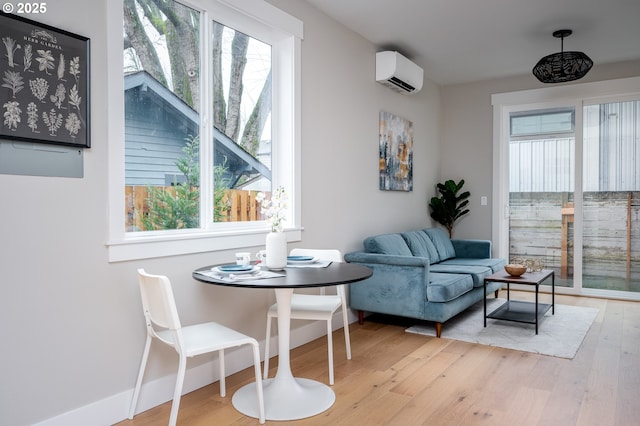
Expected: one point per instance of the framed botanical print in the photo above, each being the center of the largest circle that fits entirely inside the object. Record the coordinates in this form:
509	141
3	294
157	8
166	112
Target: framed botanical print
44	92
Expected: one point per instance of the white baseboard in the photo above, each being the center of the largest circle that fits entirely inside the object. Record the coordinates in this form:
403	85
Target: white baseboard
153	393
115	408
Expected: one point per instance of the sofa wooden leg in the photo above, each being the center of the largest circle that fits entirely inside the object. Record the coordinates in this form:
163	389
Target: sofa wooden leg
360	317
438	329
497	291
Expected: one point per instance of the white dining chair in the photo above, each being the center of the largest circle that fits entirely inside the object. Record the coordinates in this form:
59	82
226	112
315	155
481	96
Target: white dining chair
320	307
163	324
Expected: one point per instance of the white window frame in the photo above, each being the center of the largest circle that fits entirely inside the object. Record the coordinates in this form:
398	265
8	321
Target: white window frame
259	19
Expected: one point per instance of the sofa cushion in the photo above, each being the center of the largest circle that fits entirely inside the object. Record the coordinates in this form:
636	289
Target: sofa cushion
477	273
446	287
442	243
496	264
475	249
420	245
387	244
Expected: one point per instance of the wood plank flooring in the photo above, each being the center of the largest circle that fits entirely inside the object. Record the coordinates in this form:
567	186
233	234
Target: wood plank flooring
398	378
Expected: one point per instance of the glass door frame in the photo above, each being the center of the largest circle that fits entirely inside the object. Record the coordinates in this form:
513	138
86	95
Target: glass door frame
574	95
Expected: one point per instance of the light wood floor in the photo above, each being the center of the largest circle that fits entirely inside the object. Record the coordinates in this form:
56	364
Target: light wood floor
398	378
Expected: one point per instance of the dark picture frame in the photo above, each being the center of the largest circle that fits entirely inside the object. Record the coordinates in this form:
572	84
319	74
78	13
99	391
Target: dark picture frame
44	83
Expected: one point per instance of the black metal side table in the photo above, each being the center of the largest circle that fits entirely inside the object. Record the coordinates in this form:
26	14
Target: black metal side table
518	310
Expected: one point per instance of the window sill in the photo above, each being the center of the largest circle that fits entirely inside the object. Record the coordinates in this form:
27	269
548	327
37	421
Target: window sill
144	247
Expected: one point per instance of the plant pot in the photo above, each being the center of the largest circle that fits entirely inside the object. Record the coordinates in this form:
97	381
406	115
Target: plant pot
276	248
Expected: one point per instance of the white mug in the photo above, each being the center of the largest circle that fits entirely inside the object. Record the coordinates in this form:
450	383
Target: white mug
243	258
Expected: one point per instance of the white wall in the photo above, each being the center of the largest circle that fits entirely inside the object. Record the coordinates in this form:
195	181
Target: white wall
467	137
72	325
340	110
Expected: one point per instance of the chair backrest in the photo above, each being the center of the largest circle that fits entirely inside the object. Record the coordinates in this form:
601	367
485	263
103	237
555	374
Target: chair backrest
157	301
323	254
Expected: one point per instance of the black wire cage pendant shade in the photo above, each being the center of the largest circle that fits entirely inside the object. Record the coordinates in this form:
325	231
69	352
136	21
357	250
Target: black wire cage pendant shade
562	66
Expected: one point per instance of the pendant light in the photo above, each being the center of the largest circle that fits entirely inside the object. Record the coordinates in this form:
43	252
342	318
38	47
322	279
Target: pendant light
562	66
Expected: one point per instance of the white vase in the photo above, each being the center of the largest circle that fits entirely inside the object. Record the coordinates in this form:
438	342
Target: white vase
276	248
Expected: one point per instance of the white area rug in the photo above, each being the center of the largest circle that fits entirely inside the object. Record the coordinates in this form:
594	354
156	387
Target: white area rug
559	335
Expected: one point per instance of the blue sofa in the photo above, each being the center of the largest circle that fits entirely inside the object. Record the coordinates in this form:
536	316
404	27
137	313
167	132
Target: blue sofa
422	274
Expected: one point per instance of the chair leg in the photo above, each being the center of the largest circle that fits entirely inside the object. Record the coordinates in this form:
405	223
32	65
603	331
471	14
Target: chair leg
347	339
256	365
360	317
177	393
223	385
330	349
266	347
143	365
438	329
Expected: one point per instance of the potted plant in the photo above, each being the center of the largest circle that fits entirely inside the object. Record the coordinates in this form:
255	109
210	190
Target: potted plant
450	206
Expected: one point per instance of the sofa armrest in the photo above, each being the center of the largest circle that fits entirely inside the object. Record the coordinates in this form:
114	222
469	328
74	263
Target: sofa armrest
398	285
472	249
386	259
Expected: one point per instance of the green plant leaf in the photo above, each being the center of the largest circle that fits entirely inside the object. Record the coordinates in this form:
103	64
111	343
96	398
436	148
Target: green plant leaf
449	207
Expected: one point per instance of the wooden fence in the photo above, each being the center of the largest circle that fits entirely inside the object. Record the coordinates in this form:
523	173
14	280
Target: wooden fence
541	226
239	206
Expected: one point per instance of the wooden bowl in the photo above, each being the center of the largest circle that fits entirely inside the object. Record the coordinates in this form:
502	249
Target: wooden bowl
515	270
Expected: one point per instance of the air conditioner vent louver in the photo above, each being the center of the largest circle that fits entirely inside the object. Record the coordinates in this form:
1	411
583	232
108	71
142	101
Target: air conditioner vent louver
402	84
398	73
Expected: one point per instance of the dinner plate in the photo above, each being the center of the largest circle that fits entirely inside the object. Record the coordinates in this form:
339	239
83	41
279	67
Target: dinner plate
235	269
301	259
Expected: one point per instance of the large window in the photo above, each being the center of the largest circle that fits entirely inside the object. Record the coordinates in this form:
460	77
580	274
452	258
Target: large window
210	119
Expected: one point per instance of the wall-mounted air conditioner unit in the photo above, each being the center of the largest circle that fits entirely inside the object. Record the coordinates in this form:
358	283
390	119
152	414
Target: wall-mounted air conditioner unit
398	73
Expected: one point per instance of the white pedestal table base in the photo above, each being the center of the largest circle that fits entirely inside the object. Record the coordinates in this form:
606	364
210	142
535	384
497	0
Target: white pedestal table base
285	399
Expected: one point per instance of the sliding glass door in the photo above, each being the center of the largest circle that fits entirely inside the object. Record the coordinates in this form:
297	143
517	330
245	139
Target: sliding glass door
611	197
541	188
572	191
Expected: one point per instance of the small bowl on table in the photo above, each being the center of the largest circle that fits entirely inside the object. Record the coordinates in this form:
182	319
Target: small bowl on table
515	269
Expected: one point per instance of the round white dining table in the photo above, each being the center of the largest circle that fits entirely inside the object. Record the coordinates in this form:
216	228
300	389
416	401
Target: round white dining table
287	397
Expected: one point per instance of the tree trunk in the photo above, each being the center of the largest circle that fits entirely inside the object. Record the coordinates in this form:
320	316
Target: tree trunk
219	103
255	125
141	43
182	33
238	62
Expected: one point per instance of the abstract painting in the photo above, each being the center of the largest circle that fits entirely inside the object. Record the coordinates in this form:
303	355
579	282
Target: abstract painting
396	153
